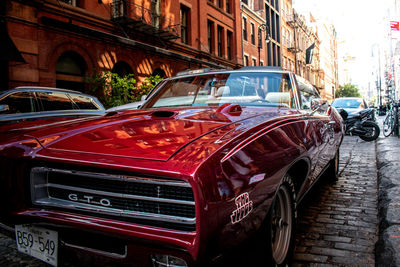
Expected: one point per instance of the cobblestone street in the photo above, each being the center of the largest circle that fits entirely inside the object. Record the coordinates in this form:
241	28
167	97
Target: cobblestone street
338	223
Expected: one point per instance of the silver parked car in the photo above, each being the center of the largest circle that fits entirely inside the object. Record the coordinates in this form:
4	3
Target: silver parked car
33	102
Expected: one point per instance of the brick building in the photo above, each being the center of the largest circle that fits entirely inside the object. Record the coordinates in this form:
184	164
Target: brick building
59	43
64	41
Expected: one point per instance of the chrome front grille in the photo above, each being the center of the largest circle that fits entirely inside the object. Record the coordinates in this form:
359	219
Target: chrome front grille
161	202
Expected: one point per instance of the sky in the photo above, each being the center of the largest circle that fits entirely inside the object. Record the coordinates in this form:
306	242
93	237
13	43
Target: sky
360	25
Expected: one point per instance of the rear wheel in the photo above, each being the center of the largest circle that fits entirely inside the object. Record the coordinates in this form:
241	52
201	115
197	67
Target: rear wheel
372	131
280	227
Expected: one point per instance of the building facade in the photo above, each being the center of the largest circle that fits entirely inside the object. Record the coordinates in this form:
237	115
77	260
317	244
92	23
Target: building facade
254	33
64	41
288	49
59	43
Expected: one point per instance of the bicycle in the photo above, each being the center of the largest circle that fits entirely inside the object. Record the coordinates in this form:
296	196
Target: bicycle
390	123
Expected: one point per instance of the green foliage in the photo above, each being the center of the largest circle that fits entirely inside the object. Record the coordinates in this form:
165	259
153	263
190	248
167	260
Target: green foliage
348	90
113	90
145	87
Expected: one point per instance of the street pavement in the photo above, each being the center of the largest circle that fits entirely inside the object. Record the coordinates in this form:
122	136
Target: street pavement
338	223
388	165
353	222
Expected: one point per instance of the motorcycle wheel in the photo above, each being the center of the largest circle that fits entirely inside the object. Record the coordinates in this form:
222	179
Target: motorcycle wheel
373	131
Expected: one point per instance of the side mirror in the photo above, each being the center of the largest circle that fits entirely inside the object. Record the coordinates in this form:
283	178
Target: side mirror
143	98
4	108
319	105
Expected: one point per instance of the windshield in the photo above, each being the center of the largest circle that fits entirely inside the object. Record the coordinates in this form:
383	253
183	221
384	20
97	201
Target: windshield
347	103
246	89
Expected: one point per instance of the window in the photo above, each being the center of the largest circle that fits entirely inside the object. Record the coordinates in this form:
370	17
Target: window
246	60
122	69
254	61
21	102
228	6
278	48
245	1
252	34
210	32
55	101
71	2
70	71
184	24
83	102
278	28
118	8
155	13
220	37
245	29
219	3
229	39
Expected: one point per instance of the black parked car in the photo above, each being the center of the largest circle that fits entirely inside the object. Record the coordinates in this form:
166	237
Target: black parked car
31	103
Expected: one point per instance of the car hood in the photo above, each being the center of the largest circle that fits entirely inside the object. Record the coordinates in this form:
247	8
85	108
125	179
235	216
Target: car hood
147	135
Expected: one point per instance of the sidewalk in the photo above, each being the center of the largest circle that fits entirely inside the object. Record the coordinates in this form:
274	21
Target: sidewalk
388	165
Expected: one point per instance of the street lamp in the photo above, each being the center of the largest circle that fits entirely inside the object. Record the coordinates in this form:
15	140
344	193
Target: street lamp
262	28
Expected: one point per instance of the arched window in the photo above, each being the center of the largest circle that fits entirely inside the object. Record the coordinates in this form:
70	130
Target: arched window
159	72
122	69
70	71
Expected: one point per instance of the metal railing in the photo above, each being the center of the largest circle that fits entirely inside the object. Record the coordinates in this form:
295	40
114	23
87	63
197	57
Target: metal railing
131	12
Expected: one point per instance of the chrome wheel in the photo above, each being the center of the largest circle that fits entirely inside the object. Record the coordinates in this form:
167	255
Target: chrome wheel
281	224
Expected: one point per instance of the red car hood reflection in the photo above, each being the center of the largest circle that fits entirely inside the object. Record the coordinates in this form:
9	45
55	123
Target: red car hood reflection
141	136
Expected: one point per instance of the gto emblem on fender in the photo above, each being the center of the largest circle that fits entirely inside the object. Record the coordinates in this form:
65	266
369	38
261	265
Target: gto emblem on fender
90	200
243	207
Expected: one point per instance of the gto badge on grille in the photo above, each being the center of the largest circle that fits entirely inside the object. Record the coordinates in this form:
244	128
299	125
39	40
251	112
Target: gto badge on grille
243	207
90	199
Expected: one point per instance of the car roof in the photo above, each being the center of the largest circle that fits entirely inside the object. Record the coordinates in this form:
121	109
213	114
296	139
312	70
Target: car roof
41	88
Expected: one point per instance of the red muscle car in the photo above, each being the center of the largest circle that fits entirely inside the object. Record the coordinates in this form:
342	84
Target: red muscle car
211	159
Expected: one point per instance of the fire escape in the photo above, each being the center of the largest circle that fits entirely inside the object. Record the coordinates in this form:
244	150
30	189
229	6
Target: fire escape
149	22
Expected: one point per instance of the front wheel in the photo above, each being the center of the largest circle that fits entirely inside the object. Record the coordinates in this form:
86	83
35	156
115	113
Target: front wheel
280	226
372	129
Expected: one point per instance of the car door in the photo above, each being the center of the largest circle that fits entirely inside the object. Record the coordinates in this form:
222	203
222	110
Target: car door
318	126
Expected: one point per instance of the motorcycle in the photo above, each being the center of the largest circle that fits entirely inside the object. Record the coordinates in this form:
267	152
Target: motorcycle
360	124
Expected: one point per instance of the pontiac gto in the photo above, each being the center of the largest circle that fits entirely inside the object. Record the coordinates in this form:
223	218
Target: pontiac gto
211	159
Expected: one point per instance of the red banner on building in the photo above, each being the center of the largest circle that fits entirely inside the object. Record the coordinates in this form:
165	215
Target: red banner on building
394	26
